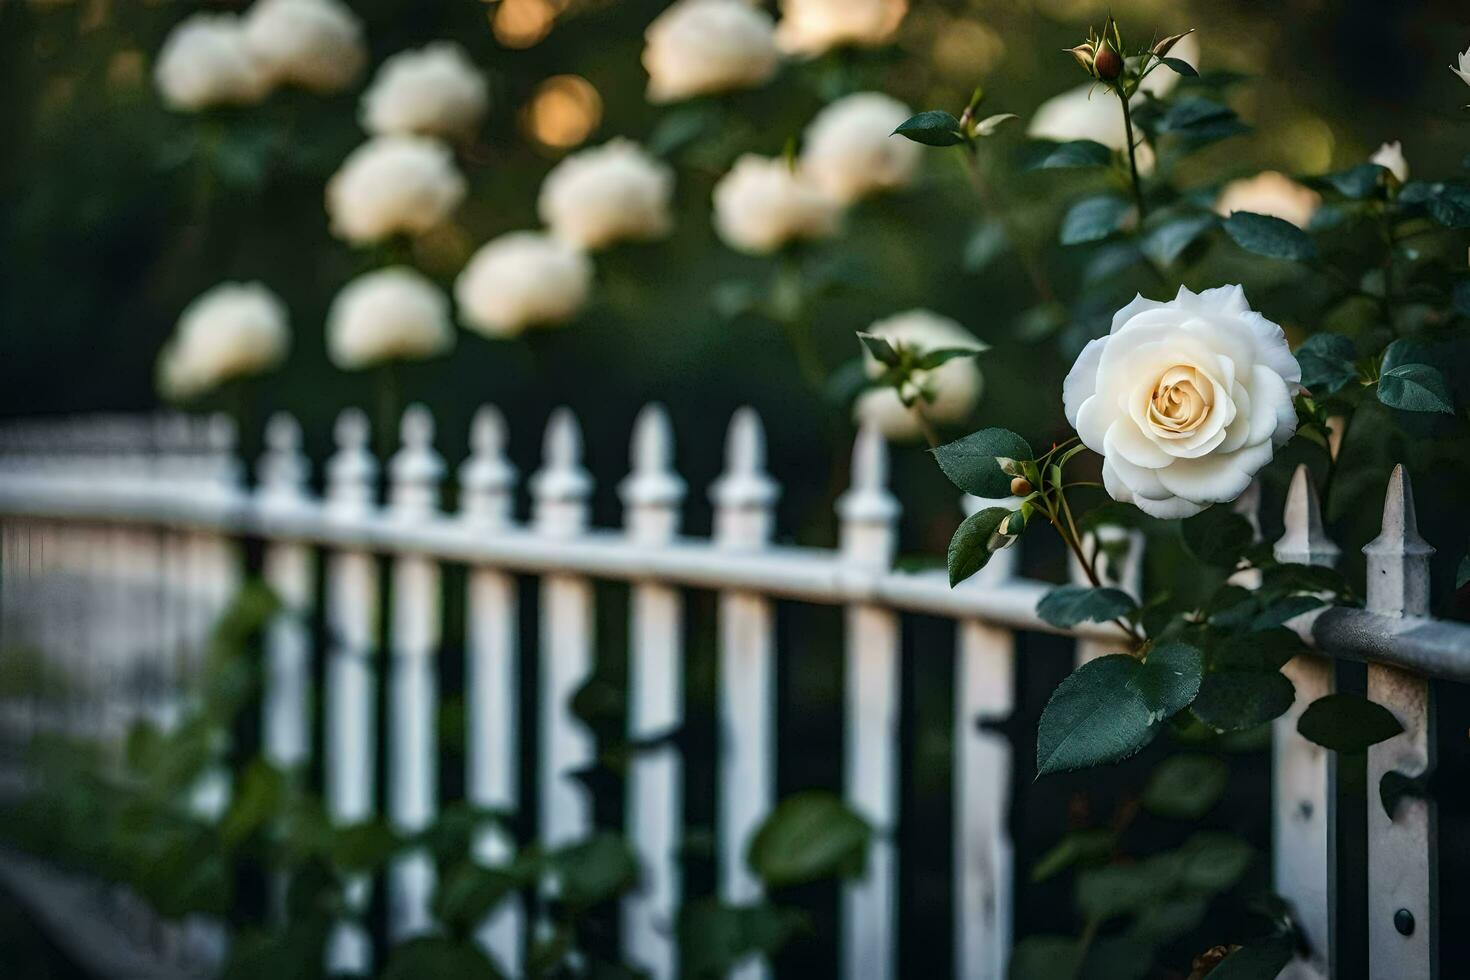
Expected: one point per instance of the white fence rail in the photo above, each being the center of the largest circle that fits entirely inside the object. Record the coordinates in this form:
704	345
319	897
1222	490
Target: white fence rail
121	544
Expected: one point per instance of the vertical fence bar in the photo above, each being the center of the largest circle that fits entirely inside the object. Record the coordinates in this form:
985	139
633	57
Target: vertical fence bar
352	624
413	760
652	495
1304	780
1403	914
744	497
869	515
492	681
560	490
1124	572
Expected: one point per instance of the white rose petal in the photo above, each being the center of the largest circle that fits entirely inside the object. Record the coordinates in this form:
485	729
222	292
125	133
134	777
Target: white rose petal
954	386
811	27
232	331
519	280
848	150
1391	157
204	63
699	47
392	185
1162	80
1272	193
615	192
1463	70
1088	112
433	91
761	205
1185	399
316	44
387	315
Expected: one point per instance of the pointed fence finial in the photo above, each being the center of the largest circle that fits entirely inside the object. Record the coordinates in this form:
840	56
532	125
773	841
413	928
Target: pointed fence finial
652	492
744	495
352	470
1305	541
561	487
416	469
869	512
283	468
217	437
1398	559
487	479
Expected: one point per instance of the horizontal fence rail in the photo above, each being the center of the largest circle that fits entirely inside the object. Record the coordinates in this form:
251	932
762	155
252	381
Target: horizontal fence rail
122	543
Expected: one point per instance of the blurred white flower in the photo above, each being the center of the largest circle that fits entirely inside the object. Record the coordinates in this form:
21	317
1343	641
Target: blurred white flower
847	150
811	27
762	204
1464	67
435	90
386	315
204	63
519	280
1391	157
231	331
954	387
699	47
611	193
391	185
1269	192
1161	81
1088	112
316	44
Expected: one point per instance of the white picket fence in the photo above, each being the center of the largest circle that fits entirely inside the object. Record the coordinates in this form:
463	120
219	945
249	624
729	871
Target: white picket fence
121	544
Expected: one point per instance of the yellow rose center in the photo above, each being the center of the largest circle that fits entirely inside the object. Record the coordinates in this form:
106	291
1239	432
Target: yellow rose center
1181	401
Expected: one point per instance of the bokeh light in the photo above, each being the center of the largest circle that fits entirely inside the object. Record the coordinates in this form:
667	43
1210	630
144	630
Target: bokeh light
563	112
524	23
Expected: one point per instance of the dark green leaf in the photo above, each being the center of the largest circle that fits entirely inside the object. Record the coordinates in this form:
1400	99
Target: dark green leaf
1327	362
1263	960
1185	787
1395	787
1094	218
971	463
1180	67
809	836
988	243
1234	700
1164	922
594	870
1450	204
932	359
975	540
1357	182
1217	536
880	348
1462	297
1077	847
1193	111
1068	605
1103	893
715	938
1045	958
1077	153
932	128
1270	236
1347	723
435	957
362	846
1168	241
1295	577
1266	650
1283	610
1170	678
1211	861
468	893
1415	388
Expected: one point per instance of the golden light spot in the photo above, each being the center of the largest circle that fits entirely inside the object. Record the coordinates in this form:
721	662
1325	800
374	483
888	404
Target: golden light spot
965	48
563	112
523	23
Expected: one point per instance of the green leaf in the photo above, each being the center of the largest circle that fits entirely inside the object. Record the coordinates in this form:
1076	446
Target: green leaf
1266	650
1270	236
1170	678
1283	610
987	243
1077	847
931	359
1180	67
975	540
1077	153
1347	723
1217	536
1356	183
932	128
1295	577
880	348
1185	787
1045	958
1415	388
1449	204
594	870
1211	861
468	893
1068	605
809	836
1234	700
1263	960
257	798
972	463
1327	362
1168	241
1165	922
715	938
988	125
1193	112
431	956
1118	889
362	846
1094	218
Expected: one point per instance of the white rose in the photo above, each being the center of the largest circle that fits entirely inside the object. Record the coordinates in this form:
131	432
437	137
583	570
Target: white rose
316	44
1161	81
231	331
204	63
810	27
612	193
1391	157
1464	66
1185	400
390	314
1269	192
762	204
699	47
953	388
519	280
435	91
847	150
392	185
1088	112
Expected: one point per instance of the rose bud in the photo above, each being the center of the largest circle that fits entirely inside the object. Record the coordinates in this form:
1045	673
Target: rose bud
1020	487
1108	64
1084	55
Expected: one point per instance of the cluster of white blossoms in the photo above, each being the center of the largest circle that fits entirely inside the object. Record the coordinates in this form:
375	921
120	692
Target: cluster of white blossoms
520	280
234	330
1271	193
211	60
812	27
611	193
766	203
392	314
393	185
432	91
945	395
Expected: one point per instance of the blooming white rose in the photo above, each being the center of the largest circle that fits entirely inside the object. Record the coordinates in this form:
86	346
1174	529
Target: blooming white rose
953	388
810	27
847	150
1269	192
387	315
1088	112
435	91
762	204
204	63
699	47
1464	67
519	280
231	331
1162	80
611	193
391	185
316	44
1391	157
1184	400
